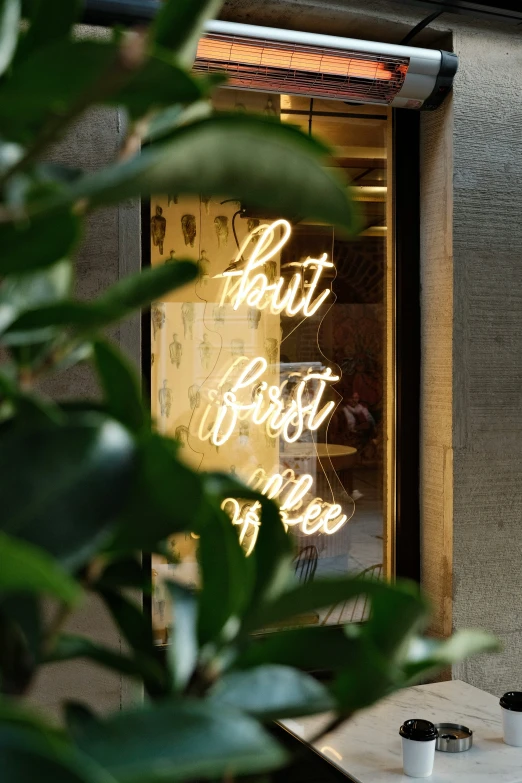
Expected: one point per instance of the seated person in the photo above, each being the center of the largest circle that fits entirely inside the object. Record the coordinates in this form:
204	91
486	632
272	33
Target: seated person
357	415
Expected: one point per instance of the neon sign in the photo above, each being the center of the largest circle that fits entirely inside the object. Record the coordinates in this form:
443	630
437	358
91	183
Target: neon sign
283	411
316	516
252	286
243	395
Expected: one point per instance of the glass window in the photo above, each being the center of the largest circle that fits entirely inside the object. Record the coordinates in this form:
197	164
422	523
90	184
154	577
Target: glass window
276	365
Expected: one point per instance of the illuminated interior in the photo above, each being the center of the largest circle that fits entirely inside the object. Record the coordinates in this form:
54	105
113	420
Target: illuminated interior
275	365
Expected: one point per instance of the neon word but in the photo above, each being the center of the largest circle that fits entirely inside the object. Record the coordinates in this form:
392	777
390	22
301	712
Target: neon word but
316	516
252	398
254	288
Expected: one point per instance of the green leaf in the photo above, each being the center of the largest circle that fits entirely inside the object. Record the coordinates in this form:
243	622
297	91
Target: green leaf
128	294
396	614
49	82
179	24
49	21
272	692
19	641
16	714
28	405
33	409
326	592
183	648
167	498
77	718
317	648
33	289
125	573
138	666
159	83
137	291
37	243
131	621
424	656
136	628
180	741
235	156
273	556
9	27
120	386
28	569
368	675
273	552
26	757
164	122
227	578
62	486
52	173
10	154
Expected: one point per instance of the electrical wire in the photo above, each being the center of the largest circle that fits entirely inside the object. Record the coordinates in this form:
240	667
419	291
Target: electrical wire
418	27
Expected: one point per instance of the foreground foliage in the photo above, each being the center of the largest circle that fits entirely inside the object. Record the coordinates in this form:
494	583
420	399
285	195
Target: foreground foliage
87	486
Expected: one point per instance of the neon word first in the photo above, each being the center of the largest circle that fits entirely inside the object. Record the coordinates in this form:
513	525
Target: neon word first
316	516
251	397
251	285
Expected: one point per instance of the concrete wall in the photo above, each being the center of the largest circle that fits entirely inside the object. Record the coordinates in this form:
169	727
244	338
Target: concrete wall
471	191
487	347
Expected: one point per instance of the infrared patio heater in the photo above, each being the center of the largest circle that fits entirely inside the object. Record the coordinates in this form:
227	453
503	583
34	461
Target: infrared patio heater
323	66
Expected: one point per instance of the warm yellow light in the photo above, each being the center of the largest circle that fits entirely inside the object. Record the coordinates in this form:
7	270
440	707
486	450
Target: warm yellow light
250	397
316	516
250	285
254	54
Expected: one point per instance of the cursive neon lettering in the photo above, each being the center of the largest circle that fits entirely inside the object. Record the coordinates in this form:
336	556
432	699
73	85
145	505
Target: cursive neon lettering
250	285
283	415
317	516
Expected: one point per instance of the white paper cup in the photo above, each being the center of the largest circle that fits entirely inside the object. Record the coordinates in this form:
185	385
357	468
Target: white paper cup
511	708
418	747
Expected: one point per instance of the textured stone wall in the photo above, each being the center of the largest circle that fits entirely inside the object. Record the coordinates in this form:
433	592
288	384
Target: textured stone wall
487	347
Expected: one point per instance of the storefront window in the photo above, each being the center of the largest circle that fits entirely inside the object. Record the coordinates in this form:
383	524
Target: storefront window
276	364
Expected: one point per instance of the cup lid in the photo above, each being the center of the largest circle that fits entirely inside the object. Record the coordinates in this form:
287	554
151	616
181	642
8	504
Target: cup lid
418	729
512	700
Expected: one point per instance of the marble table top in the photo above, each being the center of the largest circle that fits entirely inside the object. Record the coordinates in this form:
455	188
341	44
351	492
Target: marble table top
368	748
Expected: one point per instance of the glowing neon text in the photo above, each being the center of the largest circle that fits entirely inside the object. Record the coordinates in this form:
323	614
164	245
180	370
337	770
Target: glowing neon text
251	285
316	516
286	410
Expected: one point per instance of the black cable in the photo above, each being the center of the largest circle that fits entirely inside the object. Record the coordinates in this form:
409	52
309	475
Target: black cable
234	216
418	27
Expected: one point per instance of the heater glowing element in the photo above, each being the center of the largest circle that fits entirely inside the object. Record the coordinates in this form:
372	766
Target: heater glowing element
250	53
314	516
250	285
283	410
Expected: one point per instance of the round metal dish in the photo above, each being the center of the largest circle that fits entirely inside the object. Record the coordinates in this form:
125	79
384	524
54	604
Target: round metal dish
453	738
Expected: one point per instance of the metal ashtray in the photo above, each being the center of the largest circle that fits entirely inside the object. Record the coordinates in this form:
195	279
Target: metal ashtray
453	738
